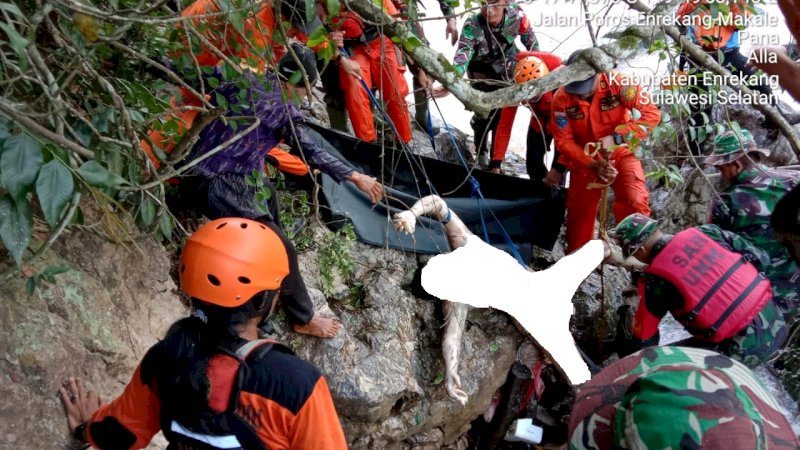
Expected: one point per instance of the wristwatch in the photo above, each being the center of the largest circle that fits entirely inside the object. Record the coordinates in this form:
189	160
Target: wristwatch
80	432
618	140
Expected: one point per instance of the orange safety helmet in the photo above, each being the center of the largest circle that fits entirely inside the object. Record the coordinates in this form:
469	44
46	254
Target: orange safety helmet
530	68
228	261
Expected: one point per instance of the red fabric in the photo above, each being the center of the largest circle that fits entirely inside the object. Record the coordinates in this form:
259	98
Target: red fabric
540	108
712	38
258	28
222	370
607	111
379	70
287	162
138	409
694	263
577	122
645	323
630	196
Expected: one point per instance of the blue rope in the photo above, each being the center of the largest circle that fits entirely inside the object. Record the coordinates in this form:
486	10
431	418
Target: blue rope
388	119
430	129
478	195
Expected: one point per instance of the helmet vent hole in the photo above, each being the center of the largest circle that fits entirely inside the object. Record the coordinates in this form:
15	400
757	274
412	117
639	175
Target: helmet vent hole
183	268
221	225
213	280
263	227
243	225
244	280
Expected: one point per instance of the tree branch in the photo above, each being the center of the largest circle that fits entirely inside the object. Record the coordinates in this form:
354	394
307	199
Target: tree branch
58	139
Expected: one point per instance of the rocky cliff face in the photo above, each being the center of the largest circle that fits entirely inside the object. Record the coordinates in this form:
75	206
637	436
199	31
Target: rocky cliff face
385	367
95	322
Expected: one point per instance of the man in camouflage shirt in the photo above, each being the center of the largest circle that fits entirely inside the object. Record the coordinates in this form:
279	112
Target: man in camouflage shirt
678	398
486	51
746	205
760	334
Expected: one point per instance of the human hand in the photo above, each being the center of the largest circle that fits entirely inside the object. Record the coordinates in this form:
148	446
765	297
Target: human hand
604	171
425	82
553	178
337	37
351	68
439	92
368	185
405	221
79	404
451	31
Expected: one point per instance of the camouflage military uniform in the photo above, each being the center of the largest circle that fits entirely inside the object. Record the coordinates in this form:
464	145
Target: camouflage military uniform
793	51
678	398
745	208
757	342
473	45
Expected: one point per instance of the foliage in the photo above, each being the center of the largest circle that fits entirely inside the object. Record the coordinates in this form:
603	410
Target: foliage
669	175
47	274
334	253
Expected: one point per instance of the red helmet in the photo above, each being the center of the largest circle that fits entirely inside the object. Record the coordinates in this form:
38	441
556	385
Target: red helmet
227	261
530	68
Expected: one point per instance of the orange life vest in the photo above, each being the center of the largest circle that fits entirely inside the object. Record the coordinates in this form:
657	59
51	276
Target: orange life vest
722	292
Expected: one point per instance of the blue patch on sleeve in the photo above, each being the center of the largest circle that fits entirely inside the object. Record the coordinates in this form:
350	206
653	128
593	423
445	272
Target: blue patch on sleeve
561	121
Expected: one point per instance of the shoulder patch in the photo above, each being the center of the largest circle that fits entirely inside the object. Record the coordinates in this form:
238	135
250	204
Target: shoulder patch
561	120
629	93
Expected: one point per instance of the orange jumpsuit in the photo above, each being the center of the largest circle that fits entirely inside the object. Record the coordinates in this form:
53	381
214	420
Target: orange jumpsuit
540	120
578	122
379	67
259	49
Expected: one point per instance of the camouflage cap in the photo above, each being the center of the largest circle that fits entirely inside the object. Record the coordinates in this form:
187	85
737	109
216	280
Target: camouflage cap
729	146
677	397
633	231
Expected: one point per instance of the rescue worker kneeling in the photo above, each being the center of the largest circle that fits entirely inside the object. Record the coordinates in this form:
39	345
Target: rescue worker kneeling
704	277
211	383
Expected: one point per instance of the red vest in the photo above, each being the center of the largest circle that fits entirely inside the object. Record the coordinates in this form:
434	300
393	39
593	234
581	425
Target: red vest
722	292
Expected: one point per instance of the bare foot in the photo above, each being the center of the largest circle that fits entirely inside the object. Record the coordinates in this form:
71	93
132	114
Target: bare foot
319	326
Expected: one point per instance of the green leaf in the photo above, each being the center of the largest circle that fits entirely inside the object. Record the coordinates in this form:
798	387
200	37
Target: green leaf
439	378
165	226
96	175
296	77
54	187
311	10
50	271
411	43
333	7
32	283
147	211
19	163
494	346
17	42
213	82
221	101
16	220
11	8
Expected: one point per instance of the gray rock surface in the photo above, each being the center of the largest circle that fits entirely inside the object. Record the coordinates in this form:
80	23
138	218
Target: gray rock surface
95	322
385	367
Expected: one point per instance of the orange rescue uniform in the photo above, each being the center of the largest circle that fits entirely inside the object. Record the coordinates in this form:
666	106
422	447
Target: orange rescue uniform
541	108
578	122
282	398
379	67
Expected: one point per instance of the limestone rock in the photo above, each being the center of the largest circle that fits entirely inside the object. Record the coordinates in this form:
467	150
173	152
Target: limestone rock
95	322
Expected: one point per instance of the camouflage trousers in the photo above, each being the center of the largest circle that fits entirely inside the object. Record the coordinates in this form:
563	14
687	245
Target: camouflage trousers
756	344
759	341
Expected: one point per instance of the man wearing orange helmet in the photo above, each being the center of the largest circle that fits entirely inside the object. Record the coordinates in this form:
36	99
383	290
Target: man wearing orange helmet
597	123
531	65
211	383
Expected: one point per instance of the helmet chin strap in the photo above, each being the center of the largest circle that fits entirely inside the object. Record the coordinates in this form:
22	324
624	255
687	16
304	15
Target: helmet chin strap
268	300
